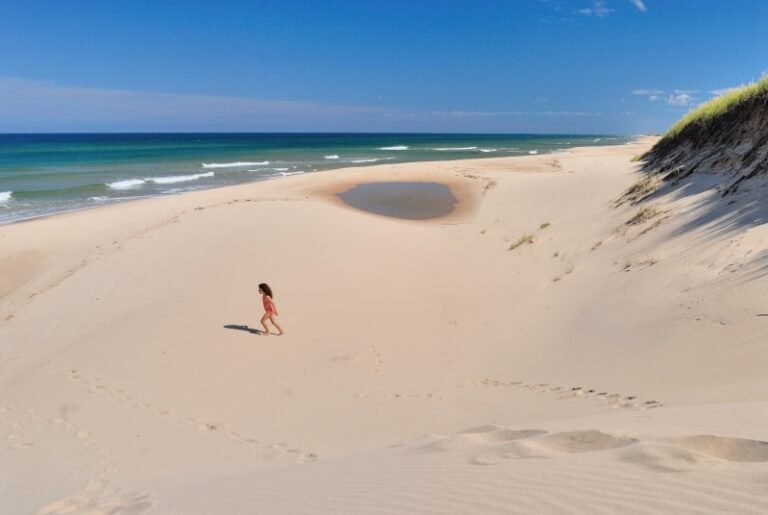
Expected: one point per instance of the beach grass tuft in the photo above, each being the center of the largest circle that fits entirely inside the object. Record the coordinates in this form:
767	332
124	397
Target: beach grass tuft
643	215
641	189
525	239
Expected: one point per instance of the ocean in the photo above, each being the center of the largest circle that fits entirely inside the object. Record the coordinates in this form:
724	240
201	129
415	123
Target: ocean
42	174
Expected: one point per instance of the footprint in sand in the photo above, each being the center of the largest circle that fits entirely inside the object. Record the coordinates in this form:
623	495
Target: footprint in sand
619	400
345	357
120	394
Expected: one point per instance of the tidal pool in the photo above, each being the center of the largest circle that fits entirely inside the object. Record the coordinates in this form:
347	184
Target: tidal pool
407	200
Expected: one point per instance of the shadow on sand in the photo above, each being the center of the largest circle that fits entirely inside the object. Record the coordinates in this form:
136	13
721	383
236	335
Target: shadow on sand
244	328
718	214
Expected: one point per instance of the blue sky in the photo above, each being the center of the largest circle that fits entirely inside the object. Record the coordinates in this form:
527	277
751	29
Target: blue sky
564	66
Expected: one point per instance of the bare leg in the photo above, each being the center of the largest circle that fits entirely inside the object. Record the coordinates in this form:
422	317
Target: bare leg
272	319
264	323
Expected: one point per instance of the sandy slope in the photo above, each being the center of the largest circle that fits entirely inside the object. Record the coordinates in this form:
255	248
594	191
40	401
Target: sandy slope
426	368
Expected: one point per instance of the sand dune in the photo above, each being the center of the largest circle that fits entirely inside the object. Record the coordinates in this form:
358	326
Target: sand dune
539	350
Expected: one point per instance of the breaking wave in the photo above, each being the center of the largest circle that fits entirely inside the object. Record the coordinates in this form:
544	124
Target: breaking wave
370	160
179	178
126	184
130	184
235	164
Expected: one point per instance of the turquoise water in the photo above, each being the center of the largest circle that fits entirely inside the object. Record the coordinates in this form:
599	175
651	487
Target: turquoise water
44	174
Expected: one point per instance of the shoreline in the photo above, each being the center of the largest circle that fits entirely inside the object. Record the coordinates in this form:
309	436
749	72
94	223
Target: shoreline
161	195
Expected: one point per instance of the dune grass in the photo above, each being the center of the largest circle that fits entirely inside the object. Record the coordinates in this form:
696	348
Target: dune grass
643	215
525	239
644	187
708	111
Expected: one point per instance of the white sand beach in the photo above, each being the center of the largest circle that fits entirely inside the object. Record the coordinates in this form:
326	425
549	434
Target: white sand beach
538	350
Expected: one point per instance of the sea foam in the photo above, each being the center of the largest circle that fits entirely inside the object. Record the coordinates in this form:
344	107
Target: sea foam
533	152
370	160
235	164
126	184
446	149
395	147
179	178
486	150
5	196
332	156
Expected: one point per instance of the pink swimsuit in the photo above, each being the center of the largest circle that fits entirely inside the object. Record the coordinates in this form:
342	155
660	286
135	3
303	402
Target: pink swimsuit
268	307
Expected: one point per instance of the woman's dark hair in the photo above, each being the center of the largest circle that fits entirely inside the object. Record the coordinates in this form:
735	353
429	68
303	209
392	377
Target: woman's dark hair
266	289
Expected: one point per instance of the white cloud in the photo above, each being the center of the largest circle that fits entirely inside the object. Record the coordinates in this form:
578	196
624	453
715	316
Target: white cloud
599	8
678	97
570	113
640	5
718	92
645	92
467	114
681	97
476	113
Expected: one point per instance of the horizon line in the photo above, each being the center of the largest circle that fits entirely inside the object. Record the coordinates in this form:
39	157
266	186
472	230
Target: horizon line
403	133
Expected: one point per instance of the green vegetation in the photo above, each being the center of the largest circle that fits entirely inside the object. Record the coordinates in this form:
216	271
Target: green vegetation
705	113
641	189
643	215
525	239
544	225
